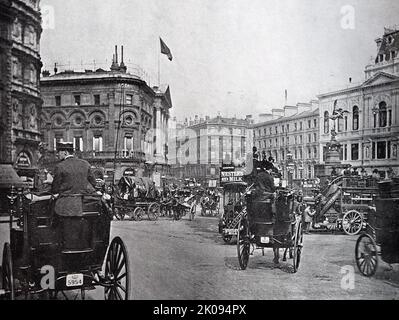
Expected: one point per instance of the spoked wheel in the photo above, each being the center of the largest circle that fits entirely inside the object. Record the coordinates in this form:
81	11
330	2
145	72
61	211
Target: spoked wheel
298	244
8	274
116	275
243	243
366	254
119	214
153	211
138	213
352	222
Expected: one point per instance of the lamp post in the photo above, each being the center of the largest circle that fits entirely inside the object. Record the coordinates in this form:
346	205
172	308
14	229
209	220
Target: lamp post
290	168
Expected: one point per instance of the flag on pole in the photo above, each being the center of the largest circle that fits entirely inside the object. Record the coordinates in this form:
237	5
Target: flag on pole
165	50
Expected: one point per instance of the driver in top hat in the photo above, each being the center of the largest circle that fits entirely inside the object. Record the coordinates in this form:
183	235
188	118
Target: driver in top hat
72	176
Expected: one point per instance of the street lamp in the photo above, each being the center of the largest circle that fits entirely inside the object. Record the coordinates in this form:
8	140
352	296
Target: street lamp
290	168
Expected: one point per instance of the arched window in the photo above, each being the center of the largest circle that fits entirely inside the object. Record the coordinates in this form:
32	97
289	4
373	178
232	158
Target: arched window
326	122
355	118
382	114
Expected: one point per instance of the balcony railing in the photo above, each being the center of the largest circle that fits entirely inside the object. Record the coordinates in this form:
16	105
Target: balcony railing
120	155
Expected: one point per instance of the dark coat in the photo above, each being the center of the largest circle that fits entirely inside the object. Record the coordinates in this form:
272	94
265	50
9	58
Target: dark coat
72	176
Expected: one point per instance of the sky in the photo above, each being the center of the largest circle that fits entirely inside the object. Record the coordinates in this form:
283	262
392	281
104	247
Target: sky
233	57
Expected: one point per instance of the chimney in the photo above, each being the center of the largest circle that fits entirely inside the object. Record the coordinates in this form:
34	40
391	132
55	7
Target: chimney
290	111
46	73
302	107
122	66
277	113
55	68
263	117
114	66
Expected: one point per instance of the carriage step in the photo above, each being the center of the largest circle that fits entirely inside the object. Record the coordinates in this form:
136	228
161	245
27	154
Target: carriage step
77	251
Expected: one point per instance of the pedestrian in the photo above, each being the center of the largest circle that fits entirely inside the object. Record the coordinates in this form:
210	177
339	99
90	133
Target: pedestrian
376	175
72	177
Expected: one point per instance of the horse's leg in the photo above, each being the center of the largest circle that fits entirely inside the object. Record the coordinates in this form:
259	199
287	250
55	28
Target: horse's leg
285	254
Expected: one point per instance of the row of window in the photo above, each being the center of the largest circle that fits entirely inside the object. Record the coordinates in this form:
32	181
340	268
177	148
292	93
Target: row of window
288	141
382	117
22	71
97	143
387	56
297	154
286	128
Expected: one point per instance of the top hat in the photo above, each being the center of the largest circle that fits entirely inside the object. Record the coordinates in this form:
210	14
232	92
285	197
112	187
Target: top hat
65	146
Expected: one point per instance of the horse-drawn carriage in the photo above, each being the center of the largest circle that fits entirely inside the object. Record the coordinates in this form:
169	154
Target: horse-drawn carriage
48	253
381	237
183	202
270	221
233	205
343	205
135	197
210	203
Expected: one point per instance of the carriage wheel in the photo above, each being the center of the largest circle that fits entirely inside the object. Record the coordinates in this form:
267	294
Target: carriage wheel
116	274
119	214
8	274
138	213
366	254
352	222
153	211
298	244
243	244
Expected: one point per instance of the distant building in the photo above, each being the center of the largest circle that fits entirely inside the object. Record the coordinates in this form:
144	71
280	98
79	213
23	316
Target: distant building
108	115
20	101
368	131
293	130
202	145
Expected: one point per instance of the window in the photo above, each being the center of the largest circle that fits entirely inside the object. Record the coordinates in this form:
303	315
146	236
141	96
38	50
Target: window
288	128
270	143
295	126
58	138
300	125
355	151
326	122
345	152
373	150
58	101
276	130
389	117
375	120
295	154
276	142
98	143
97	99
129	99
128	143
77	100
309	138
296	139
339	124
315	123
300	139
309	124
381	149
309	153
382	114
264	131
314	137
389	150
346	123
315	152
282	128
78	143
282	141
270	130
355	120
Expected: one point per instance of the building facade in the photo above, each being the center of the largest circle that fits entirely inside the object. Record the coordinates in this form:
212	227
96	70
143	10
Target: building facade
201	146
20	101
290	132
368	131
114	119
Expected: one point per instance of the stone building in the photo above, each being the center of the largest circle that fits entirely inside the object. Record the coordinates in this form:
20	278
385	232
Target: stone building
200	146
368	130
115	120
293	130
20	101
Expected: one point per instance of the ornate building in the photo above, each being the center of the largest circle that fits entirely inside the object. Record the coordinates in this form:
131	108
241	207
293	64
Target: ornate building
368	130
199	147
291	132
20	64
114	119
